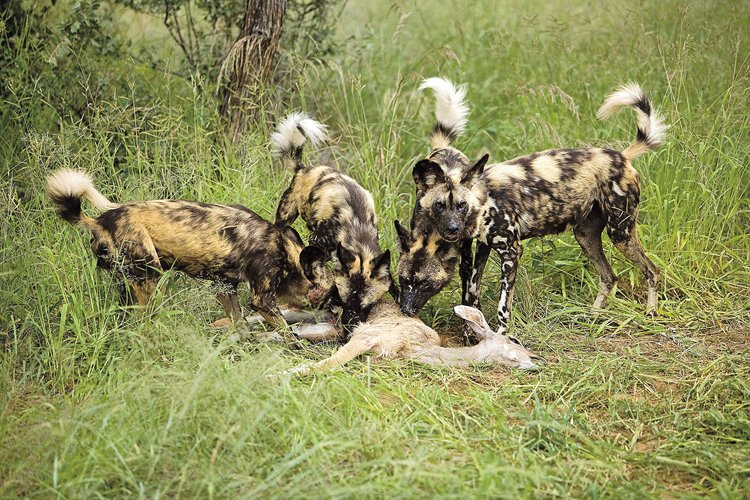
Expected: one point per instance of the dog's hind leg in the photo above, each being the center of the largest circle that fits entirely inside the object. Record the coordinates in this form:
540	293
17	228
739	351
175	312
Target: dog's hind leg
140	265
588	233
287	211
633	250
622	230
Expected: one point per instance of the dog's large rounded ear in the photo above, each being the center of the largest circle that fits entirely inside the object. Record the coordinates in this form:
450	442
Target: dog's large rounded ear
475	171
426	174
345	257
394	290
293	235
381	267
404	238
312	259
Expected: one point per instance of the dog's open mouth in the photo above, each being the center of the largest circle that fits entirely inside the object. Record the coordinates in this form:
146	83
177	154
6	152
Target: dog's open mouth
451	239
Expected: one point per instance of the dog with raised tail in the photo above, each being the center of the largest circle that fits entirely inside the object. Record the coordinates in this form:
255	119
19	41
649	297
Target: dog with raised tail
588	189
340	215
436	244
139	240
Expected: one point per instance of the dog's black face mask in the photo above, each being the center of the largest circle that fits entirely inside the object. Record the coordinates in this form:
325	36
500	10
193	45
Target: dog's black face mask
447	203
361	281
426	265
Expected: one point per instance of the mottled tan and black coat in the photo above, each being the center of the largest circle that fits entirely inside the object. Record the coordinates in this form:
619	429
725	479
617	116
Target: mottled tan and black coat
441	227
340	215
588	189
225	244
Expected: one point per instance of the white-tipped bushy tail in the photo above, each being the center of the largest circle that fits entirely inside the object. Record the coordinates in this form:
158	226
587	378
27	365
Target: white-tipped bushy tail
66	188
292	134
651	127
450	110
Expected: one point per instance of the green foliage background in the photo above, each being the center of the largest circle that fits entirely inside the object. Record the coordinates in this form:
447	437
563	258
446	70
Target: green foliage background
97	400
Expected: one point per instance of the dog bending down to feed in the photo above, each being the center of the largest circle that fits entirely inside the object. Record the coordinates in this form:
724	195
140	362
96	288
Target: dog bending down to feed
225	244
429	253
588	189
388	333
340	215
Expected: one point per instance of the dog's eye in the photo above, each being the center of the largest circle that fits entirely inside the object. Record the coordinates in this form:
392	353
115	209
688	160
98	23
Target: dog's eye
439	207
463	206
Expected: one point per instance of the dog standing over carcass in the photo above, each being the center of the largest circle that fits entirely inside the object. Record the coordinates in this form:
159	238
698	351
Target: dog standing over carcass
340	215
499	205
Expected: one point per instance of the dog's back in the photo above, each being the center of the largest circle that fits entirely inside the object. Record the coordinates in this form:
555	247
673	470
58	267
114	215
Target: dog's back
340	215
551	190
200	239
331	204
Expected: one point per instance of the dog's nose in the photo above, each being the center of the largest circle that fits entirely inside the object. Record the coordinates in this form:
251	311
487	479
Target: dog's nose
452	227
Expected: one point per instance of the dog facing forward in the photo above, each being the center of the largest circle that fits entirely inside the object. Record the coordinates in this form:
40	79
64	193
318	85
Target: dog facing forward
588	189
225	244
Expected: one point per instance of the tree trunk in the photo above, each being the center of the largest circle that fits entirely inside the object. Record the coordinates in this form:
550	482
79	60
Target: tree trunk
249	62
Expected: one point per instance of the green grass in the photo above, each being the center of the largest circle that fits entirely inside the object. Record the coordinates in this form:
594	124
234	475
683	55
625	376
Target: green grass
96	400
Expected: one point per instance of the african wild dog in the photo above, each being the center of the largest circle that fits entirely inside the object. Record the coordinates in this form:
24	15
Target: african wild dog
340	215
546	192
225	244
438	236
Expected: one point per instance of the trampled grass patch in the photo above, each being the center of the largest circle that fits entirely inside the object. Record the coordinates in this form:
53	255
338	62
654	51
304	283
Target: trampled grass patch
96	399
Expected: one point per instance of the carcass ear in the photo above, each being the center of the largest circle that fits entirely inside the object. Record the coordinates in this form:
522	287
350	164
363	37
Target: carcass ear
475	171
426	174
474	318
345	257
312	259
403	237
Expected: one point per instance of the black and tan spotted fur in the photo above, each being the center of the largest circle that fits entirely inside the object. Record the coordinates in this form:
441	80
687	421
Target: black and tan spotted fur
225	244
588	189
340	215
439	234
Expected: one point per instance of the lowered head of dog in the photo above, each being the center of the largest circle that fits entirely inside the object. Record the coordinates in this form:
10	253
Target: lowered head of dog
361	274
426	265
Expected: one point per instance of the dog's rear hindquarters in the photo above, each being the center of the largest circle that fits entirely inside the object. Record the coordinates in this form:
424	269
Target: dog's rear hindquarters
293	133
651	127
66	188
450	111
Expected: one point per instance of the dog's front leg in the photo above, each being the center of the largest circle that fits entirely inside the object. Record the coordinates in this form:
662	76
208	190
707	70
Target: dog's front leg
477	271
227	297
464	270
267	308
472	277
287	211
509	256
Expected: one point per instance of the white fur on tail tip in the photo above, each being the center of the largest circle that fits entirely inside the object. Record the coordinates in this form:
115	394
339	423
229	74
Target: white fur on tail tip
450	110
77	184
295	130
629	95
